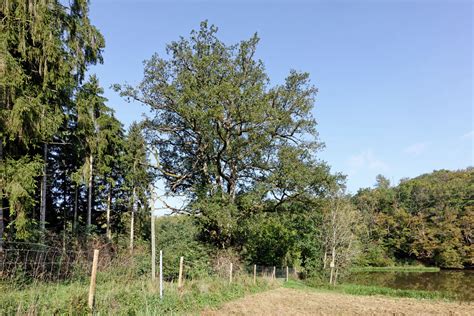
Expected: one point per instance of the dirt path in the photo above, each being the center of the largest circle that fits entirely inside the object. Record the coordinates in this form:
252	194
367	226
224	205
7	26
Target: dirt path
297	302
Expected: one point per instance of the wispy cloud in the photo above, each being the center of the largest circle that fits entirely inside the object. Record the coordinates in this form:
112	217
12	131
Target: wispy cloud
416	149
468	135
366	160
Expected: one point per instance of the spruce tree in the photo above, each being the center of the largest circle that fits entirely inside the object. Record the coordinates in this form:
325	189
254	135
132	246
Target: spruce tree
45	48
138	176
90	109
109	168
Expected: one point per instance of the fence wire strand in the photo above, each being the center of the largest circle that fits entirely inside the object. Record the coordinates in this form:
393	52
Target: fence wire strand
40	262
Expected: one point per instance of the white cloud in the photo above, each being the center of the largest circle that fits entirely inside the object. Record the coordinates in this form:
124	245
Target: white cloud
366	160
416	149
468	135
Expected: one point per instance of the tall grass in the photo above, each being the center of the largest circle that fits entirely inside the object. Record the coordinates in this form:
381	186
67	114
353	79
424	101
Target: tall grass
117	296
124	287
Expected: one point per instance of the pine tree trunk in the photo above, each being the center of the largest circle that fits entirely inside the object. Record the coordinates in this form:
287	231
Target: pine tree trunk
74	224
91	183
43	189
64	215
109	201
132	220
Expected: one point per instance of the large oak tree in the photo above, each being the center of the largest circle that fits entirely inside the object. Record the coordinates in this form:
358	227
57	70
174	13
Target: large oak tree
228	139
220	127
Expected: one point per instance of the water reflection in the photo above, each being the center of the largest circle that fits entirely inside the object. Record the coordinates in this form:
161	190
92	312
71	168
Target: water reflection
461	283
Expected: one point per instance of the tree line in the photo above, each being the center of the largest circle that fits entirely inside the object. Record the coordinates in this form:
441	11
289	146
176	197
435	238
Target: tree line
67	164
429	219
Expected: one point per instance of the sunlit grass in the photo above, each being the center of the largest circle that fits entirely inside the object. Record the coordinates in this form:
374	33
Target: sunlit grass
116	296
354	289
396	269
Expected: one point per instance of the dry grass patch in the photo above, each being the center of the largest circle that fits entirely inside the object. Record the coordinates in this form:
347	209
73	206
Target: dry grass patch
284	301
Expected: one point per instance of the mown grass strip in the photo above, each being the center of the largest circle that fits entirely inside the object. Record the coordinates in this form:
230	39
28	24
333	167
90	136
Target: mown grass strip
396	269
364	290
355	289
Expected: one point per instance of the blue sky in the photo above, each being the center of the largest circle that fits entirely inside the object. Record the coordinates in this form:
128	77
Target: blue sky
394	77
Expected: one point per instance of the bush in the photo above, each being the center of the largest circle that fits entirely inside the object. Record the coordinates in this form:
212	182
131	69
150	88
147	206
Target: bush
375	255
176	236
221	262
448	258
271	240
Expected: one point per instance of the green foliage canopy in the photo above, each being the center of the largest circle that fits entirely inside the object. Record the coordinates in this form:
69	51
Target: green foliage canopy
45	49
429	218
219	126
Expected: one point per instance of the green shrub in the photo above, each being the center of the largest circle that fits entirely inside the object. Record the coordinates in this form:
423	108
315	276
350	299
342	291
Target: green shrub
176	236
376	256
448	258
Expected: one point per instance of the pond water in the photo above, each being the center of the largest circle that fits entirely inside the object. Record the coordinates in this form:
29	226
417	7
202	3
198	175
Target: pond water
458	282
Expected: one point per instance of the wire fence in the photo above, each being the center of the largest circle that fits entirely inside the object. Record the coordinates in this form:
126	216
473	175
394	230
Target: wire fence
231	271
31	267
31	264
273	271
40	262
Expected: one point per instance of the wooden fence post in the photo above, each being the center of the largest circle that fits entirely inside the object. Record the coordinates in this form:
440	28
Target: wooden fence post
230	273
93	278
161	274
180	275
286	273
153	249
254	274
274	272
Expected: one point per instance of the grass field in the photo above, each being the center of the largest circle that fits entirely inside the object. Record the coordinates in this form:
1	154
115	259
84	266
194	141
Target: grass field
301	300
214	296
125	296
363	290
